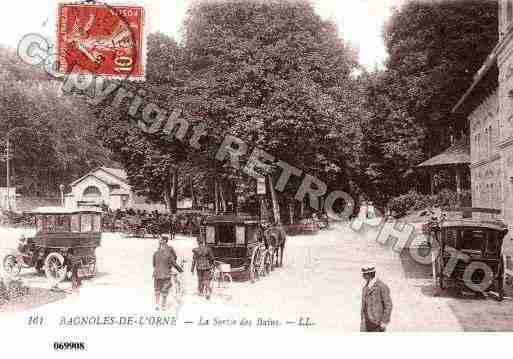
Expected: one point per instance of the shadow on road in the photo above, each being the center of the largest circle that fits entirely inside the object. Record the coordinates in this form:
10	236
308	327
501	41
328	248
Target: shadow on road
473	313
412	269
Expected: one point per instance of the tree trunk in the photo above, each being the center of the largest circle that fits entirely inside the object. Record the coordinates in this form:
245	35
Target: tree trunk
193	195
274	199
170	190
222	204
216	197
235	204
174	190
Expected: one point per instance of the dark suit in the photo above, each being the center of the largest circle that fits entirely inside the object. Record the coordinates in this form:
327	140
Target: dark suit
202	260
163	261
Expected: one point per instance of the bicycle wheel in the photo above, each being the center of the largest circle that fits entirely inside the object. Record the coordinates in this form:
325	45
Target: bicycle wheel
226	280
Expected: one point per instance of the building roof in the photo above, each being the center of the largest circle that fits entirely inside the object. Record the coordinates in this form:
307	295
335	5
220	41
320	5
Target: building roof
457	154
118	173
119	191
63	210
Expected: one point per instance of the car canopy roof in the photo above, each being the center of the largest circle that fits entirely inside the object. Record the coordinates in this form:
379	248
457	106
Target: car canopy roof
232	219
496	225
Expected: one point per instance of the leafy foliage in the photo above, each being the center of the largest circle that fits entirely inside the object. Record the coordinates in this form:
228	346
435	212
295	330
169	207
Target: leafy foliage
435	48
53	136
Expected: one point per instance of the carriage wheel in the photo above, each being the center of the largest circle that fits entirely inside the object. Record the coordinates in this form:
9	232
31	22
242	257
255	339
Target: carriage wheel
268	262
92	268
255	264
279	256
226	284
222	284
440	269
55	269
434	264
500	280
11	265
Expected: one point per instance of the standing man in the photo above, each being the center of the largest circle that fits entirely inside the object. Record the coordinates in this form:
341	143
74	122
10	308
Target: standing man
203	261
164	259
376	302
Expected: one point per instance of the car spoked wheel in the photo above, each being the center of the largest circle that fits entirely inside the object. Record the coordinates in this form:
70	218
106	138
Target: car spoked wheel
55	269
225	284
11	265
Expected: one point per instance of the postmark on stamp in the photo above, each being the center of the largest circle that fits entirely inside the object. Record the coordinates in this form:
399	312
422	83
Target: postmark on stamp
101	39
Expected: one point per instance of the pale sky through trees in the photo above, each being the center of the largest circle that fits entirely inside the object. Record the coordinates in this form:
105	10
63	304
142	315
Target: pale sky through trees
359	21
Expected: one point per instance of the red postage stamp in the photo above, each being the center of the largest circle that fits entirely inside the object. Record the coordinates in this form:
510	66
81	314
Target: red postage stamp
101	39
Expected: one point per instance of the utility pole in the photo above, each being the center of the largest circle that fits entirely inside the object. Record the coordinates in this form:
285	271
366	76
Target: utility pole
8	171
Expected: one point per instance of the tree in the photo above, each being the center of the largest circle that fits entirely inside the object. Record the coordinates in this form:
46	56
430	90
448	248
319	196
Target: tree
271	73
435	48
54	136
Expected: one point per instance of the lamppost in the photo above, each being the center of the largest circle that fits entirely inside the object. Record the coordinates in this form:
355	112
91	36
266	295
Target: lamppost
8	155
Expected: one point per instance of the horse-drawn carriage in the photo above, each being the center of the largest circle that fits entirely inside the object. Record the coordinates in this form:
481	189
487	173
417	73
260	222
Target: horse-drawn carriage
244	243
467	245
64	238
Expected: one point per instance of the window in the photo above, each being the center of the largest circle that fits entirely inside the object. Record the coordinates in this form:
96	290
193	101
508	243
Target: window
492	244
92	193
472	239
210	235
485	144
86	223
62	223
450	238
49	223
96	225
40	223
75	223
225	233
490	138
478	146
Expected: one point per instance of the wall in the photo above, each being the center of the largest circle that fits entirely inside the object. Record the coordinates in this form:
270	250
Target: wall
485	166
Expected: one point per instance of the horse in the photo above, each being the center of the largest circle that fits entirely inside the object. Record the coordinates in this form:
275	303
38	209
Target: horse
275	239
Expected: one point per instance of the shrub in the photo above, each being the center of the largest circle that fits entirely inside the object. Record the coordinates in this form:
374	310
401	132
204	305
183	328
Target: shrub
414	201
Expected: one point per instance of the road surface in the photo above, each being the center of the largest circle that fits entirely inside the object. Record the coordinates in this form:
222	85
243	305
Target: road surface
320	284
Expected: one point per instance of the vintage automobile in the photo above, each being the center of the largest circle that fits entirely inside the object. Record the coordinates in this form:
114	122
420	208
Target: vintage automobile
64	237
469	243
245	243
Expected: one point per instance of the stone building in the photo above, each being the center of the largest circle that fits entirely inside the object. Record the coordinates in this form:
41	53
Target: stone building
488	107
109	186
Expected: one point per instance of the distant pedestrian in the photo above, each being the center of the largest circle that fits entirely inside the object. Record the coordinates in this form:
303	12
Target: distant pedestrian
376	302
75	262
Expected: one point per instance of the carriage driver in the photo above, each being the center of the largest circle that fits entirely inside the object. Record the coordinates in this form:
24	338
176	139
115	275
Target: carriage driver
23	245
203	261
164	260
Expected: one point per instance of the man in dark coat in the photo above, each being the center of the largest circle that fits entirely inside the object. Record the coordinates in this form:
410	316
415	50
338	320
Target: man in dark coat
164	259
203	261
376	302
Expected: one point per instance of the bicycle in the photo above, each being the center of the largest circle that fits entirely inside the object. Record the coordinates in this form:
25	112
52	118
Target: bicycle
220	275
178	282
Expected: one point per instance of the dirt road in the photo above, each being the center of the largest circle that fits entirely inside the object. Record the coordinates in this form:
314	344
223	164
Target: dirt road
320	284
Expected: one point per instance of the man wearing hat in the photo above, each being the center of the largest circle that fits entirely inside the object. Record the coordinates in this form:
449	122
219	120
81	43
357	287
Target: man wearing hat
164	259
376	302
203	261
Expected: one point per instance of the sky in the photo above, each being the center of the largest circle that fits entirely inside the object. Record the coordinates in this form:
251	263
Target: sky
359	21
